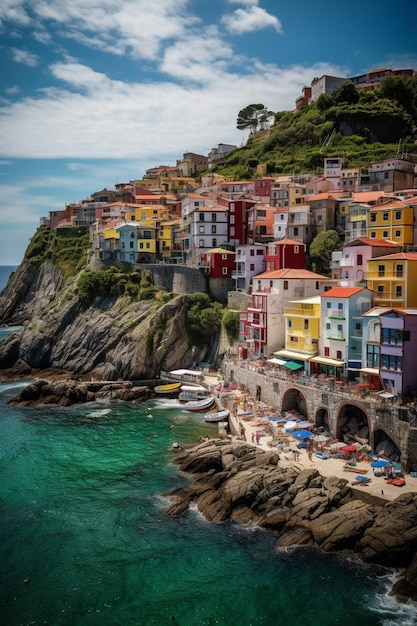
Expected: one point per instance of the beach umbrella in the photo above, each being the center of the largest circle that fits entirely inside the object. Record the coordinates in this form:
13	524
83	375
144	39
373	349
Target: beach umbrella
350	448
302	434
379	463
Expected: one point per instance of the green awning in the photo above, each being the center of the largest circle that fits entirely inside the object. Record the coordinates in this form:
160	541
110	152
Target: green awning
292	365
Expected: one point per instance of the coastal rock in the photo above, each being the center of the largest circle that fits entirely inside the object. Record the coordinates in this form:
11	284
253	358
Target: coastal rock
236	481
405	588
113	338
70	391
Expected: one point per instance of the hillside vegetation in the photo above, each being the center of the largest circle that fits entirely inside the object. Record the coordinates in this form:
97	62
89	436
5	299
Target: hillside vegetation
361	126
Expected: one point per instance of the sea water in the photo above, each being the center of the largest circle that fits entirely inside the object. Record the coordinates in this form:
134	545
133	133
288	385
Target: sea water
86	540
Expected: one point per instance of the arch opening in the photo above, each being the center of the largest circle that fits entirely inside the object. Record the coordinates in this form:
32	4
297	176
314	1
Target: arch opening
352	425
322	420
385	447
293	400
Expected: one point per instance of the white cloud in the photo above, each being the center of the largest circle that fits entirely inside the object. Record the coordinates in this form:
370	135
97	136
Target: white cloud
23	56
251	19
116	119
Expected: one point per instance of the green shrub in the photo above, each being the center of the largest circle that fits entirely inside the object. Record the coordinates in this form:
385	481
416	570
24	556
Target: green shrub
231	324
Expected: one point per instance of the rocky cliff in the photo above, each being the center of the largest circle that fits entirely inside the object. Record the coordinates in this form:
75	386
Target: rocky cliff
232	480
114	337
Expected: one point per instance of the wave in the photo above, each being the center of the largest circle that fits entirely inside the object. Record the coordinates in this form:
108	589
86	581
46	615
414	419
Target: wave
99	413
392	612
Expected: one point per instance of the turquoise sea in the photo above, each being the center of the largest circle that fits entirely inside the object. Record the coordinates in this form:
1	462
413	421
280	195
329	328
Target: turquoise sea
82	518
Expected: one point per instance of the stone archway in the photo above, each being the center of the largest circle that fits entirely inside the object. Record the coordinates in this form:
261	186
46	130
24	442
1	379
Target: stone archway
352	424
293	399
322	419
386	447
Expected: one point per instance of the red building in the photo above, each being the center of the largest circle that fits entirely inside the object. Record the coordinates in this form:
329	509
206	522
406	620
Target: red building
237	220
286	253
219	263
263	187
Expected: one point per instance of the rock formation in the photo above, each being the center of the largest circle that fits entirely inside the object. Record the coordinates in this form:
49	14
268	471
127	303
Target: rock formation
232	480
113	338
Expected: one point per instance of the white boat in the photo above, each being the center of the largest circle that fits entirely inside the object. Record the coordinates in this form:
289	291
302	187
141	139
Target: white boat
199	405
218	416
189	396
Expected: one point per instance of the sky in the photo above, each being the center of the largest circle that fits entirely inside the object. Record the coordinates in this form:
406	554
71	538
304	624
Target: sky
94	92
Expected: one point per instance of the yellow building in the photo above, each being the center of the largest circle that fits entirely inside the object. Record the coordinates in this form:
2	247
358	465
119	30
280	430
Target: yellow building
393	221
147	213
393	279
302	329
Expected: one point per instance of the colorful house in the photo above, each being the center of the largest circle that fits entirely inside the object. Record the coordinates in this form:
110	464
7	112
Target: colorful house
263	323
341	331
398	361
393	279
355	255
302	331
285	253
394	221
249	261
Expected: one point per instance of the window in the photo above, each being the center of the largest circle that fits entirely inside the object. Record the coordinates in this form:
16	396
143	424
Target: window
213	229
317	285
340	306
339	354
232	231
346	274
381	270
328	305
295	232
201	230
380	290
201	217
373	217
305	324
252	267
296	249
373	235
372	356
398	291
224	257
385	217
340	327
385	234
224	270
328	326
359	259
289	323
252	252
285	284
232	207
213	217
397	215
259	253
399	270
131	245
391	336
201	243
214	242
398	234
326	351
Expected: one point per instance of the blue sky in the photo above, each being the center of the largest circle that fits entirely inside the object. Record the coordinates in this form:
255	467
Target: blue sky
94	92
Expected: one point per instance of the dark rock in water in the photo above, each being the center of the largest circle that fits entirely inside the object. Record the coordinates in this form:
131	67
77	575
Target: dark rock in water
232	480
71	391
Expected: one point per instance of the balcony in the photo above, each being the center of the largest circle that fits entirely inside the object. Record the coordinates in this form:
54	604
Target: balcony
338	335
336	313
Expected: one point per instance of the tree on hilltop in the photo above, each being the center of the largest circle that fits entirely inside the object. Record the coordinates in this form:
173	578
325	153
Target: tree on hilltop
253	116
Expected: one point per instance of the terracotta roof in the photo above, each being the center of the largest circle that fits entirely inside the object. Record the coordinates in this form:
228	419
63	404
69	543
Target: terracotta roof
285	241
377	243
326	195
342	292
370	196
291	273
405	256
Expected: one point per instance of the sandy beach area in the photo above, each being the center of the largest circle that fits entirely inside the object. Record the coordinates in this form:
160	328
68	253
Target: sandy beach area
249	424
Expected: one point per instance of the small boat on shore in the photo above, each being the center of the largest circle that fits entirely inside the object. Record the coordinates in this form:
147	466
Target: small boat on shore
192	394
199	405
218	416
167	389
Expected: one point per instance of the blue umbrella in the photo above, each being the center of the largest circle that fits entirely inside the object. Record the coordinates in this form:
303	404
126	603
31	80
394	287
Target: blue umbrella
302	434
379	463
